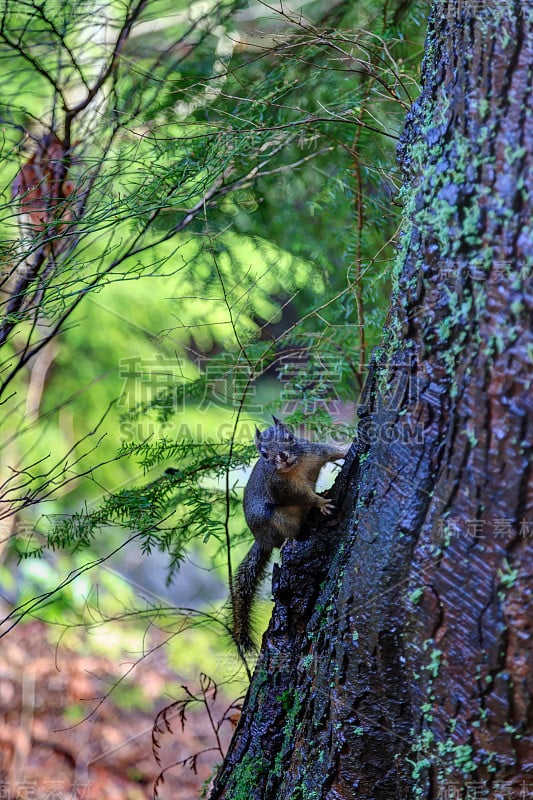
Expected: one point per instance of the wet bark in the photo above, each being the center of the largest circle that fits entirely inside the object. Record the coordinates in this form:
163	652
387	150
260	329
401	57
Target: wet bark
398	662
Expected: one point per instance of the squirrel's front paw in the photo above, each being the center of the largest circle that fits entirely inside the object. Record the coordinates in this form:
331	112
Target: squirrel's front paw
326	507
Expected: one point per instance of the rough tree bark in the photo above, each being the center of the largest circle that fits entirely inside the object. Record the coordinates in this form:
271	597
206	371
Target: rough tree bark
398	662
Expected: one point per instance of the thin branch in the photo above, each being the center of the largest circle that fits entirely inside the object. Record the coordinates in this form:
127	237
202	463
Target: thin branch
109	68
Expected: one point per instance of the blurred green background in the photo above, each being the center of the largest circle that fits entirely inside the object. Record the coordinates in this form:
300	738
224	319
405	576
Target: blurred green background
232	259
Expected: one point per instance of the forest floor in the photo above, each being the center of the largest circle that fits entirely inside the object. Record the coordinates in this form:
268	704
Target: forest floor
69	730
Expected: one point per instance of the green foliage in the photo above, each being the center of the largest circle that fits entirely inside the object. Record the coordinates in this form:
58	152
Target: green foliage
226	253
166	513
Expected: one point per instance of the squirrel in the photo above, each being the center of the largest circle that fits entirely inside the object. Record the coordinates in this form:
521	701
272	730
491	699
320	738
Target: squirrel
278	496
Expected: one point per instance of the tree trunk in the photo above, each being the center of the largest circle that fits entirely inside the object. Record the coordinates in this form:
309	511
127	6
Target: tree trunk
398	662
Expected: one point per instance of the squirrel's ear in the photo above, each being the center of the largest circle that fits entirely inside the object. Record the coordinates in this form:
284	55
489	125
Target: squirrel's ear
276	420
257	436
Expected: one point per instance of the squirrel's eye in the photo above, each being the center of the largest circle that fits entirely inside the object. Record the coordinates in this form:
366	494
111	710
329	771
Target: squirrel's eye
264	453
290	438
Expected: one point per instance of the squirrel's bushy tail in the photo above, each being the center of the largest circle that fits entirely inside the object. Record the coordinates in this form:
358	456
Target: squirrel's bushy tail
245	586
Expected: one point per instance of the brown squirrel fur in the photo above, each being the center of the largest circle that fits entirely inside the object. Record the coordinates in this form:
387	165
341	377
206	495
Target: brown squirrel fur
279	495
